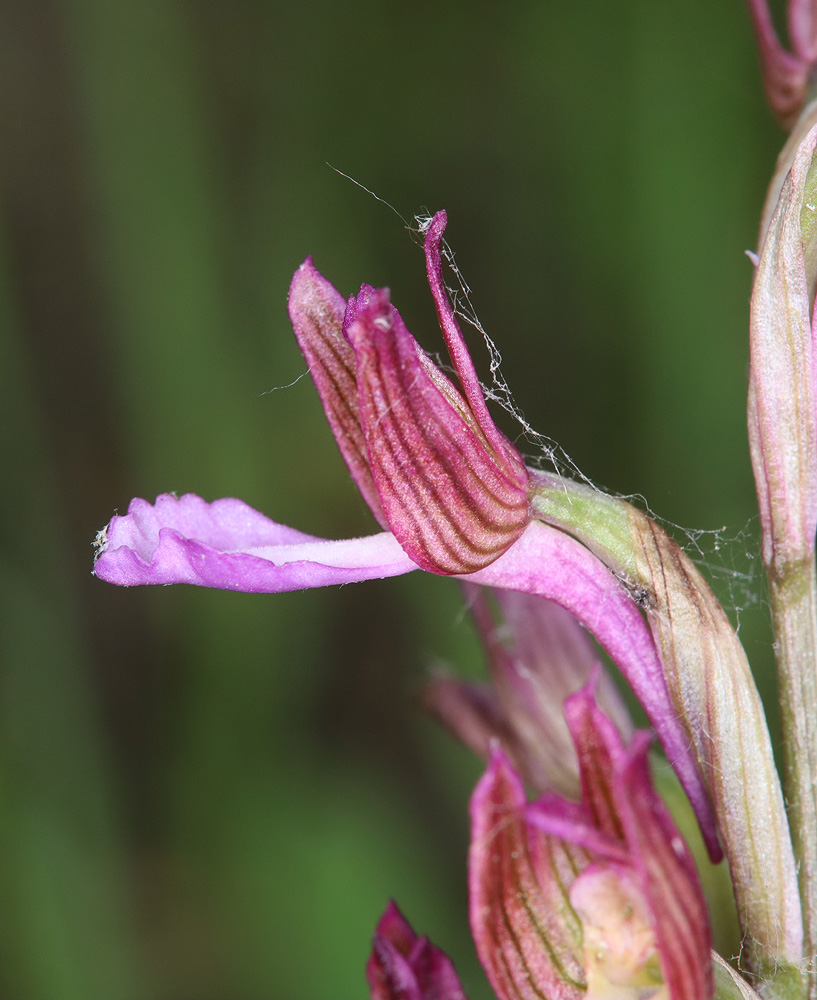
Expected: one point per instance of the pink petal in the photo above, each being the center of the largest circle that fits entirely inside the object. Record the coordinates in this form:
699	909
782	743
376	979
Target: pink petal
623	806
669	881
538	655
602	755
575	824
435	972
395	929
803	28
228	545
390	974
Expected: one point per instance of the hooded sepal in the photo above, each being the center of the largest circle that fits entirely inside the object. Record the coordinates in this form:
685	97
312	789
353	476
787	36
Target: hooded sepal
454	502
425	454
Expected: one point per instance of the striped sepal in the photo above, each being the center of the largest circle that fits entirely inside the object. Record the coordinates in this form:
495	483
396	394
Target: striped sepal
527	936
640	862
454	503
317	310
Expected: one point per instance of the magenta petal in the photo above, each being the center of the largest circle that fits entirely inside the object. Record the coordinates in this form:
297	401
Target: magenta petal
803	28
618	789
574	823
602	755
228	545
317	310
548	562
453	502
394	927
435	972
538	654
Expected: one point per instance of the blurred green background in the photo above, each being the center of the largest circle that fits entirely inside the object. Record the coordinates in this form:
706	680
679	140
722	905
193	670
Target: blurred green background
212	795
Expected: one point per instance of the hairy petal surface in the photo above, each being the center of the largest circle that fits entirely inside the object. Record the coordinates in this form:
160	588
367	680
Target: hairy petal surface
228	545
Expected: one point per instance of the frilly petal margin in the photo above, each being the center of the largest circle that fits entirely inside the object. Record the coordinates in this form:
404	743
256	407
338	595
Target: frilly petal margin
229	545
549	563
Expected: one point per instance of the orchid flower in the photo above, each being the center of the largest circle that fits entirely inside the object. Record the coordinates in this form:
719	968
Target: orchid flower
596	899
450	490
712	687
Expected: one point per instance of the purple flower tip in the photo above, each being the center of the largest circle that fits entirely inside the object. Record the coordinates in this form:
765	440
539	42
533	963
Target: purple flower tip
403	966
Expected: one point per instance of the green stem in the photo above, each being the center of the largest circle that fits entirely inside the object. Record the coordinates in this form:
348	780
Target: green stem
794	615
